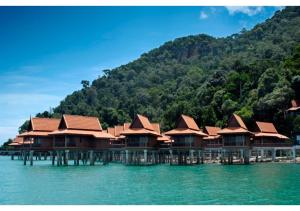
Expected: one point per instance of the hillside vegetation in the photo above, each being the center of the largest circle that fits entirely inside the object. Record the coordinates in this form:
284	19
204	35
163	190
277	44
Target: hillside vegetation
254	73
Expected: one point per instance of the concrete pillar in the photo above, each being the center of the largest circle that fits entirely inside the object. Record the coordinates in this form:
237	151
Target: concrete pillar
246	156
262	154
66	158
25	157
273	154
58	158
171	156
52	154
12	156
126	156
191	156
40	156
152	158
31	157
145	156
92	158
293	154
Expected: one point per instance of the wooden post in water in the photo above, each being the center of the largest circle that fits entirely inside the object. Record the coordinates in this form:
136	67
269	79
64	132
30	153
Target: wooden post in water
66	158
25	157
52	155
31	157
92	158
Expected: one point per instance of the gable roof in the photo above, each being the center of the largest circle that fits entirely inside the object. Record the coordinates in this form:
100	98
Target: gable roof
187	122
266	127
43	124
236	121
156	127
77	122
141	126
212	131
141	121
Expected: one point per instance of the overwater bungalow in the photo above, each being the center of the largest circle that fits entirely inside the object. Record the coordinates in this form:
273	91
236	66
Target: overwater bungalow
141	142
266	140
213	142
17	143
37	136
235	141
186	144
83	137
118	143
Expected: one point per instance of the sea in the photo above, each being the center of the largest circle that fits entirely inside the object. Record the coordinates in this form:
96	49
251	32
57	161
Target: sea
117	184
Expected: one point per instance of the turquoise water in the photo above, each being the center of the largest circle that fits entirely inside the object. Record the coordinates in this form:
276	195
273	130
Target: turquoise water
163	184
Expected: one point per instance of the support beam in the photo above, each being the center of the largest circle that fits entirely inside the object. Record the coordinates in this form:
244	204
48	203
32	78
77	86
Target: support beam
31	157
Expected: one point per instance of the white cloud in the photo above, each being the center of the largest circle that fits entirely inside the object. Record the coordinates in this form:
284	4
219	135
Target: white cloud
203	15
245	10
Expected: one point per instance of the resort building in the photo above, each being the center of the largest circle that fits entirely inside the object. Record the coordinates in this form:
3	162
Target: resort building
118	143
266	141
16	143
83	137
186	144
141	142
235	141
212	144
37	137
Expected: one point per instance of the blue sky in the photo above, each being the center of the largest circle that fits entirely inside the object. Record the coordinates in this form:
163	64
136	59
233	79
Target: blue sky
45	52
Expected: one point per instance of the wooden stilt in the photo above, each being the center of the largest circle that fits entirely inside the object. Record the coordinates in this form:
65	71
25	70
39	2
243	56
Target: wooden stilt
31	157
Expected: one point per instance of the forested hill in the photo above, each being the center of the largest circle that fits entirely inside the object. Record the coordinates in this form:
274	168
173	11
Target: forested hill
254	73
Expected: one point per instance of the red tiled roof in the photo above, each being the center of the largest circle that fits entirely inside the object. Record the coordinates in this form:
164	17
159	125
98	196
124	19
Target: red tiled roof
44	124
139	131
266	127
35	133
141	120
181	131
96	134
233	130
164	138
126	125
273	135
238	120
187	122
82	122
156	127
212	131
212	137
111	130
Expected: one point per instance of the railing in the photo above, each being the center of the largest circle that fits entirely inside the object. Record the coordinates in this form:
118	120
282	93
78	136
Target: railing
272	145
213	145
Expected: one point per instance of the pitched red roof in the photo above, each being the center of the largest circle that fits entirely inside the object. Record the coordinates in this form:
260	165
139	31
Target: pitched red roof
236	121
43	124
81	122
141	125
187	122
96	134
186	125
266	127
141	121
233	130
212	131
156	127
182	131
